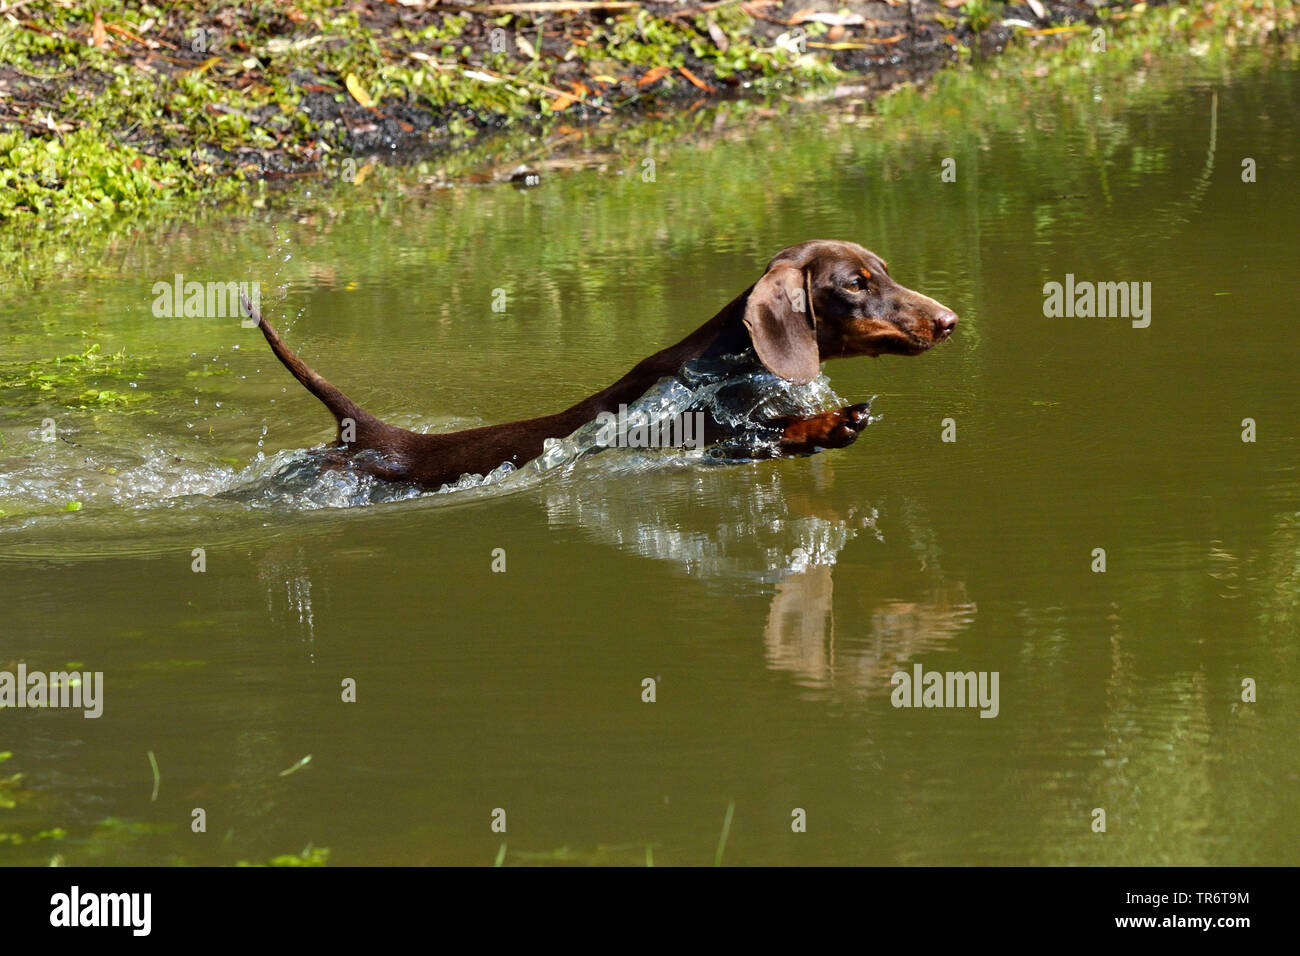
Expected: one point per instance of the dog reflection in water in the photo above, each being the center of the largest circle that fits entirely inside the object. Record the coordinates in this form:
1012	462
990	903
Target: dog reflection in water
784	536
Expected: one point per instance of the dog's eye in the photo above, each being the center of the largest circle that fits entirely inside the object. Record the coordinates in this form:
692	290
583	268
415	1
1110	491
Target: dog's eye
856	284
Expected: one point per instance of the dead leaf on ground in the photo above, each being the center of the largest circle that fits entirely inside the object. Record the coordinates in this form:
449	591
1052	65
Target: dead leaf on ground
653	76
358	91
830	19
716	33
98	36
127	34
695	80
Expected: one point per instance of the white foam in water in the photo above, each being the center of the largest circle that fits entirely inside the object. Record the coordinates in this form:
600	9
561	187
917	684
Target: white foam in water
59	473
740	399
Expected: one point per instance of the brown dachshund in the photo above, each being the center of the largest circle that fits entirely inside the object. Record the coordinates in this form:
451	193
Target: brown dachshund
818	300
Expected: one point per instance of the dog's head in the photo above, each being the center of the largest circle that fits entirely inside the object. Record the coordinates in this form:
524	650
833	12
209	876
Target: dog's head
821	300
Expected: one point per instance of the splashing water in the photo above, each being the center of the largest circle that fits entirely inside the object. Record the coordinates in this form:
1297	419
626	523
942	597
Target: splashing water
734	391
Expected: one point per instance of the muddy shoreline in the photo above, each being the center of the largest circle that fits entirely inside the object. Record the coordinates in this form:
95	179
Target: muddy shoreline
106	110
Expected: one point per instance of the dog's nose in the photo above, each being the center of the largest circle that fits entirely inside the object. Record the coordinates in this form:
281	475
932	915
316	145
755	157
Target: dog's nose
944	322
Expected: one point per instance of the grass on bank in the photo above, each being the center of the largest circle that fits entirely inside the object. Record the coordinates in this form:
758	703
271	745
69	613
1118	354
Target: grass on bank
113	106
118	108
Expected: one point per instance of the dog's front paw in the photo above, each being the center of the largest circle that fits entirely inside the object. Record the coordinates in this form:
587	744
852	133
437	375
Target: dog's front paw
836	429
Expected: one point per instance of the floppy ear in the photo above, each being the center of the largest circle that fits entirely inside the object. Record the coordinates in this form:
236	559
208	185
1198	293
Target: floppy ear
779	317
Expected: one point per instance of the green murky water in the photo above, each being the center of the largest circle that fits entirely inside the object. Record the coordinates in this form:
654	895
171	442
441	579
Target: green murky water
770	603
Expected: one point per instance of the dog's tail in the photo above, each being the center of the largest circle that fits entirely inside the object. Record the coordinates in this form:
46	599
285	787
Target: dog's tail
345	410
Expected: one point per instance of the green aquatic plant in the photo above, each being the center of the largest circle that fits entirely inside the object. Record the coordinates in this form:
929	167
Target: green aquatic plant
9	785
20	839
296	767
726	831
310	856
979	15
12	794
600	855
66	379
